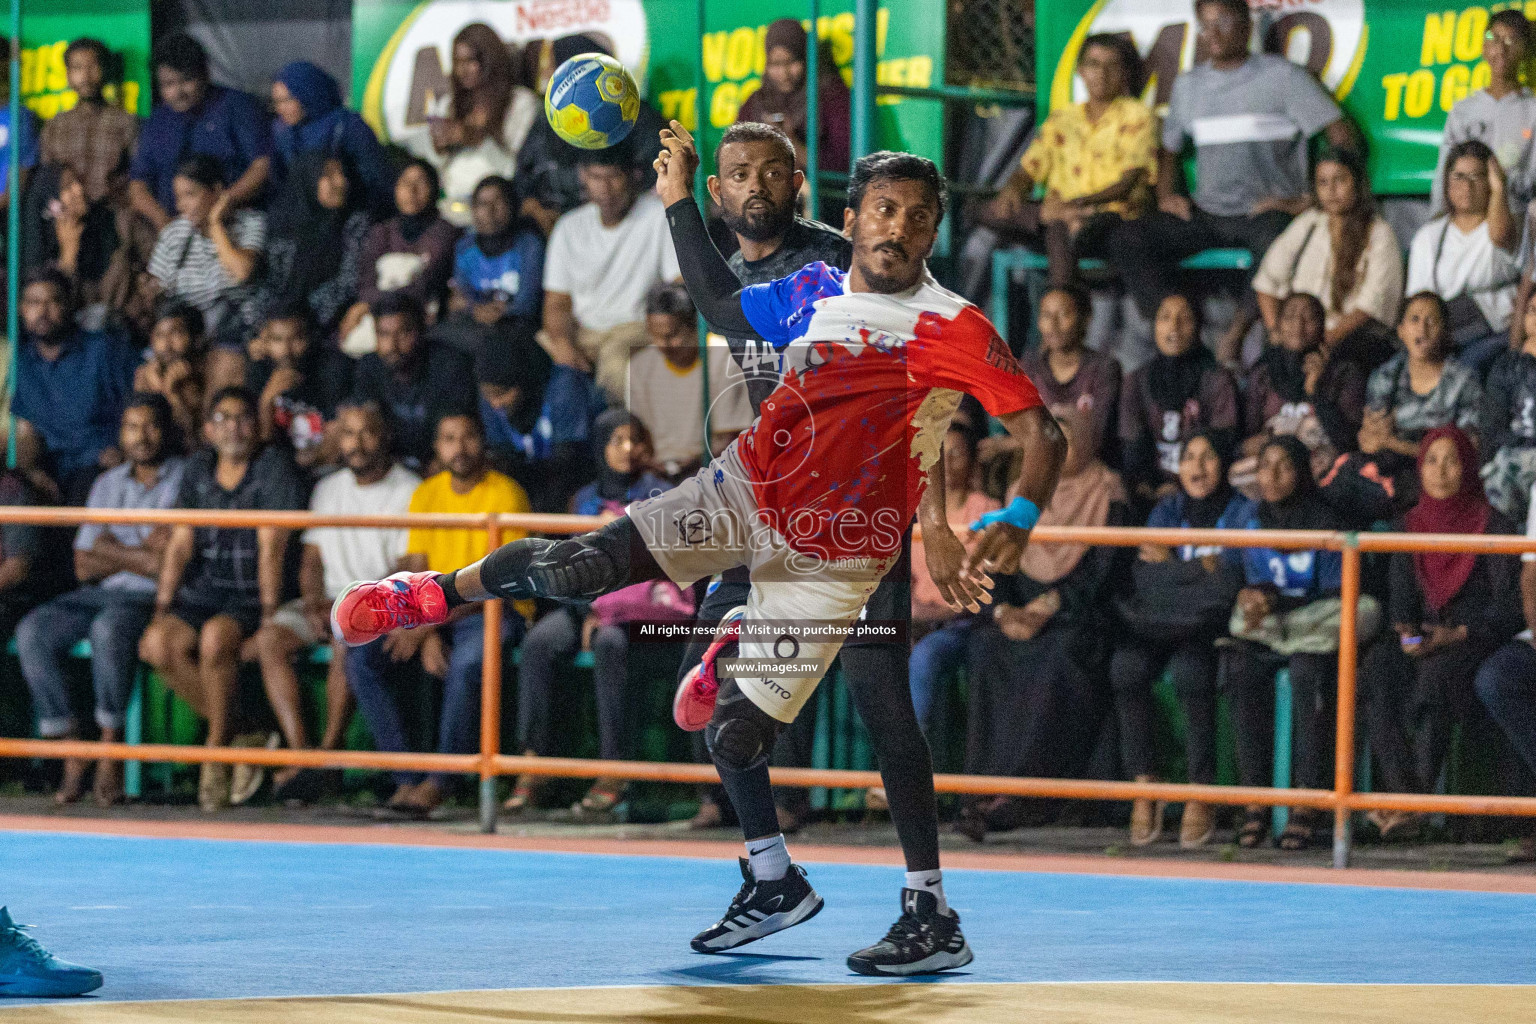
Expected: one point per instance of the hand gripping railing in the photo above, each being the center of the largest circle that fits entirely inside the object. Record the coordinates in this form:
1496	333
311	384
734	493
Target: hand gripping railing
490	763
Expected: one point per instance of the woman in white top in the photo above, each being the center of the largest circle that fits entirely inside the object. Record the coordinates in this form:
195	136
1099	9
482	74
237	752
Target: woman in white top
1341	251
1467	255
488	118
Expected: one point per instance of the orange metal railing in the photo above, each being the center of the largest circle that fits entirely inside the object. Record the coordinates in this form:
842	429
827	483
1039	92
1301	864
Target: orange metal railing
490	763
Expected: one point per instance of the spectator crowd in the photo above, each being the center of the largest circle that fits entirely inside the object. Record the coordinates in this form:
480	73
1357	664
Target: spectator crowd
242	305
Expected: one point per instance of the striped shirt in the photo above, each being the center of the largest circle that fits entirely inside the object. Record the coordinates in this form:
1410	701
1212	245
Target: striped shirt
187	264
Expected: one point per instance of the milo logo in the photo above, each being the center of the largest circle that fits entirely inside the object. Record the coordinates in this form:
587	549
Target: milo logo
1327	37
410	81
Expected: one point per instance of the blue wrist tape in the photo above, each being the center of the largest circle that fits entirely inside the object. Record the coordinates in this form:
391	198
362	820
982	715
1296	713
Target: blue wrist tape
1021	512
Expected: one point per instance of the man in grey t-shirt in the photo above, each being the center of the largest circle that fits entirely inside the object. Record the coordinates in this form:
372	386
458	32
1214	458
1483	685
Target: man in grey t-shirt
1249	118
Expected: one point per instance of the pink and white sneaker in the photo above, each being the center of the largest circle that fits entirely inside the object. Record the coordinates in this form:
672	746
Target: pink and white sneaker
694	703
366	611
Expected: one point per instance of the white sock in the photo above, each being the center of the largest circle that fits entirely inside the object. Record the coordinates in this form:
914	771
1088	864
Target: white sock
769	858
929	881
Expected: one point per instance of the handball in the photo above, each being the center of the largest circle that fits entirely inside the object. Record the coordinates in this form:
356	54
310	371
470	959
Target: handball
591	101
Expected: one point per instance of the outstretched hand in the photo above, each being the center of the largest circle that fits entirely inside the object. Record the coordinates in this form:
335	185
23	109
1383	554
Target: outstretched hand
675	164
998	549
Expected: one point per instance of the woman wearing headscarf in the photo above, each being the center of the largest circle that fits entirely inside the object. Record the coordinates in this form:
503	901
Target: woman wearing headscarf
1182	390
781	99
1035	670
411	252
1449	612
312	118
624	447
489	115
1286	616
1290	391
102	249
1179	603
315	240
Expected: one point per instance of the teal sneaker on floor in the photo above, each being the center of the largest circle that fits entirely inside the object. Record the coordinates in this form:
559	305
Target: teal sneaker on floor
29	970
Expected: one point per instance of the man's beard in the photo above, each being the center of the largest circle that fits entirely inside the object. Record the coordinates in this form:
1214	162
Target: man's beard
884	284
762	226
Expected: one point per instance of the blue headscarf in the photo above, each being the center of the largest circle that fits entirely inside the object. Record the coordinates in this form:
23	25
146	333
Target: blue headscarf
320	97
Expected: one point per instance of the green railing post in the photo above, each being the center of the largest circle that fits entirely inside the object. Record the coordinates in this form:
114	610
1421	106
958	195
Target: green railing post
813	112
864	58
13	226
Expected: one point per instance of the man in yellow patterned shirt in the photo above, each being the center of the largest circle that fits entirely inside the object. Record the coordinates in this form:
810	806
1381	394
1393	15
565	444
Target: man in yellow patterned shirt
1097	161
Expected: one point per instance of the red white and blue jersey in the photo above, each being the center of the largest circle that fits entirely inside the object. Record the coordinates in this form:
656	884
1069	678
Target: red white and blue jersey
840	453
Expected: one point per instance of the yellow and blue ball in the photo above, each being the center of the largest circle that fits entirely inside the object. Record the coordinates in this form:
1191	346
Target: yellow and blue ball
591	101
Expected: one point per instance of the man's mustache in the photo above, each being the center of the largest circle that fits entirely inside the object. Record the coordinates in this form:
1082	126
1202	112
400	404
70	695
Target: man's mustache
894	248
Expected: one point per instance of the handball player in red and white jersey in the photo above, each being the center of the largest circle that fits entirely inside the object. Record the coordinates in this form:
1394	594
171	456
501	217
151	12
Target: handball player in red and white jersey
813	499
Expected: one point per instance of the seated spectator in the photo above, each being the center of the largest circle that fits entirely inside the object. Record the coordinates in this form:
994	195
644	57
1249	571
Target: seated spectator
1250	171
498	271
369	482
1287	616
521	402
1361	284
119	566
940	652
1067	372
622	478
1288	392
95	138
411	252
173	364
546	178
102	250
1179	603
454	651
414	379
315	239
1506	682
1036	669
1501	115
1508	423
781	99
603	259
1097	161
311	118
300	383
1467	255
1449	611
666	385
71	385
218	586
196	118
1181	392
489	115
208	257
1414	392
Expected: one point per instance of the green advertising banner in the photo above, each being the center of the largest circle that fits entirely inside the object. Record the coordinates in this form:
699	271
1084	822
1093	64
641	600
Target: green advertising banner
401	53
1397	66
48	26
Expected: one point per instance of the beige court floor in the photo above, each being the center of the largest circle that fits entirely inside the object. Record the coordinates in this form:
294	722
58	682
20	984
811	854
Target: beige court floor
946	1003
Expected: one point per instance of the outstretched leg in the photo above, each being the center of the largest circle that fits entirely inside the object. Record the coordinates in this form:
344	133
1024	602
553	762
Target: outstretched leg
576	568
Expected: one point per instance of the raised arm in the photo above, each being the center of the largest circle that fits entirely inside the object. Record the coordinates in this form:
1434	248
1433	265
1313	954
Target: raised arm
716	292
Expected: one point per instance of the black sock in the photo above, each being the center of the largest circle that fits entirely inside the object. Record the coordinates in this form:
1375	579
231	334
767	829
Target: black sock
450	591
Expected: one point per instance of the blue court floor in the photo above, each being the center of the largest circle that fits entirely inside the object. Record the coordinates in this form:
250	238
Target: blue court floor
193	919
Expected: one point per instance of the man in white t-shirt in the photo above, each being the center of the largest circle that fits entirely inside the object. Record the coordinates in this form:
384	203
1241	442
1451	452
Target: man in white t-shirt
666	382
371	481
603	258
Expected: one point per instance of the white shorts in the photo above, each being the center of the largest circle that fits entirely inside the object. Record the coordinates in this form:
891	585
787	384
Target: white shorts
798	604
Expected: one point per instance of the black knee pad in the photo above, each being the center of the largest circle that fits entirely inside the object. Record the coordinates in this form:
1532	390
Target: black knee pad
740	735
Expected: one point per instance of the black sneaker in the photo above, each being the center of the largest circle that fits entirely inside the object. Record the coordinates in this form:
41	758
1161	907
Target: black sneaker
760	908
922	941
